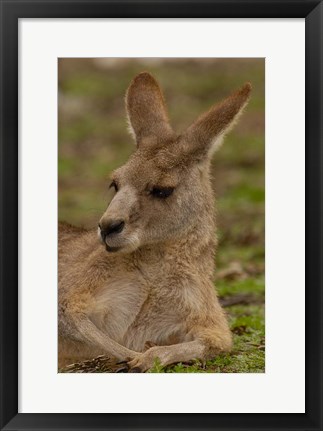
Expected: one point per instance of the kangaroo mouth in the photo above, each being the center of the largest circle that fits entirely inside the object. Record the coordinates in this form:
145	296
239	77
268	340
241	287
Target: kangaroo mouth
118	243
111	249
113	243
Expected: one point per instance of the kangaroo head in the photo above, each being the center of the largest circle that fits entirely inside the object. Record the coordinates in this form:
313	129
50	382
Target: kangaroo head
163	192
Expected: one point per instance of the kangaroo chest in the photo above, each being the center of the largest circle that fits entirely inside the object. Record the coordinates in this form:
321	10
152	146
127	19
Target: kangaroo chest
135	310
116	305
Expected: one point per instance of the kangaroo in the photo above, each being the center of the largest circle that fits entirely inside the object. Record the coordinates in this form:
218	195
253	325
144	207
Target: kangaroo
141	287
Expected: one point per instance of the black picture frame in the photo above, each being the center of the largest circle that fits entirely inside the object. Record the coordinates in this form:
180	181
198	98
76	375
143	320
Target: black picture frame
11	12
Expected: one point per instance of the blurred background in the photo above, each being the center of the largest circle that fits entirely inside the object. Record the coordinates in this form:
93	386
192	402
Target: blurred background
93	140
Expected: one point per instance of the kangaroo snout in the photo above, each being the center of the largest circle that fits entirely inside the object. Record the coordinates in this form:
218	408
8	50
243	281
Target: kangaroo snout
110	227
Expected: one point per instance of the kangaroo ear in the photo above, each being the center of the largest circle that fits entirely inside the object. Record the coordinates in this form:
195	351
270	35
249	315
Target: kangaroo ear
206	134
146	109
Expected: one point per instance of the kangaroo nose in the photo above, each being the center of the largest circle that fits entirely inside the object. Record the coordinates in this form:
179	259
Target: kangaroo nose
114	226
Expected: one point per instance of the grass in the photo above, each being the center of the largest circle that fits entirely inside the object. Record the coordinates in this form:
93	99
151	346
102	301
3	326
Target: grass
93	140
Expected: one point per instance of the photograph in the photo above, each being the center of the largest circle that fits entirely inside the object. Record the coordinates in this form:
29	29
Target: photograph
161	215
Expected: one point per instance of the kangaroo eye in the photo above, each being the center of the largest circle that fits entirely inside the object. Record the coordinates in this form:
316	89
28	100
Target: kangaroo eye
114	185
162	192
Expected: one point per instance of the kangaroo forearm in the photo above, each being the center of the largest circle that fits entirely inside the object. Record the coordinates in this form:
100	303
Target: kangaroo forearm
93	335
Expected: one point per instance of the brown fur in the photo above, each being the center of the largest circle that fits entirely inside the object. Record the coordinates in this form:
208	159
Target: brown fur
157	288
